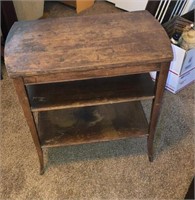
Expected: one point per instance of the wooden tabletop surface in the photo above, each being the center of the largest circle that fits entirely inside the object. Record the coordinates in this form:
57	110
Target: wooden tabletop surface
85	43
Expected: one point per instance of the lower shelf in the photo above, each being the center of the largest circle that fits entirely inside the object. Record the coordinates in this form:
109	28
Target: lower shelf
91	124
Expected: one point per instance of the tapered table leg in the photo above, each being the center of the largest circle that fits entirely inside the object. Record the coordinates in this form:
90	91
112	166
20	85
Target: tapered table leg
159	90
23	98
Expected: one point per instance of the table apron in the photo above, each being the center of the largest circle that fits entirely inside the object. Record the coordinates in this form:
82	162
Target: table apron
88	74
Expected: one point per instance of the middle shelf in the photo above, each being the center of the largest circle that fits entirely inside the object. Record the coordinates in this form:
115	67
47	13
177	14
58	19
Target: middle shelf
90	92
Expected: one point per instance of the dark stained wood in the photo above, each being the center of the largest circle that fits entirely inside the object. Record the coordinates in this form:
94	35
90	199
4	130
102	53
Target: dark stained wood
156	105
22	96
92	124
85	43
190	192
90	74
88	48
90	92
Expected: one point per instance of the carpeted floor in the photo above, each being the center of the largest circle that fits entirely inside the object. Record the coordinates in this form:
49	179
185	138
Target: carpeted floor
112	170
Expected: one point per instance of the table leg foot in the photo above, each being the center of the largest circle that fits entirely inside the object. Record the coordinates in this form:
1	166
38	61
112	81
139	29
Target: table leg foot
156	104
151	158
150	141
41	161
42	171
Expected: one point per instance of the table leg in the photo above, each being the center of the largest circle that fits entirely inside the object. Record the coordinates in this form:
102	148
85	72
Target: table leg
155	111
23	98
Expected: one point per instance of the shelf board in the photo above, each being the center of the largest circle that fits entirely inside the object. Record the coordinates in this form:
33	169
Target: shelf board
91	124
91	92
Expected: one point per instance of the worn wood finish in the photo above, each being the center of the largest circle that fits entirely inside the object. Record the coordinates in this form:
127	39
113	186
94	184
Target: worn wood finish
90	74
22	96
90	92
92	124
85	43
156	104
88	48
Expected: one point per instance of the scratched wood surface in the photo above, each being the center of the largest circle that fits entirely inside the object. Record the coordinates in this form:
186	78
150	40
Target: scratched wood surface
92	124
87	43
90	92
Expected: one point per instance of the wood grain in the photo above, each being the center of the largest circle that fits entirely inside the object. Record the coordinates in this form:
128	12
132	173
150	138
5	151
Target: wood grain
24	101
92	124
156	105
83	74
71	44
85	61
90	92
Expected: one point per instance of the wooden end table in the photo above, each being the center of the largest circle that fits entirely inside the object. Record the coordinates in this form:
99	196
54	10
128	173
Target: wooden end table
84	77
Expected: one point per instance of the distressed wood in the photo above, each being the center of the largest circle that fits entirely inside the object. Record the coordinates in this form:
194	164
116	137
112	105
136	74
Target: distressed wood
89	55
85	43
90	92
90	74
156	105
92	124
22	96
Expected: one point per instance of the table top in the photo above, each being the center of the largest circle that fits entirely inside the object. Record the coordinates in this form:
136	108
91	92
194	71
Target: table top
58	45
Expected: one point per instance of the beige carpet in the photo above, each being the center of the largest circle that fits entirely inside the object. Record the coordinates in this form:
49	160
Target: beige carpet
112	170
